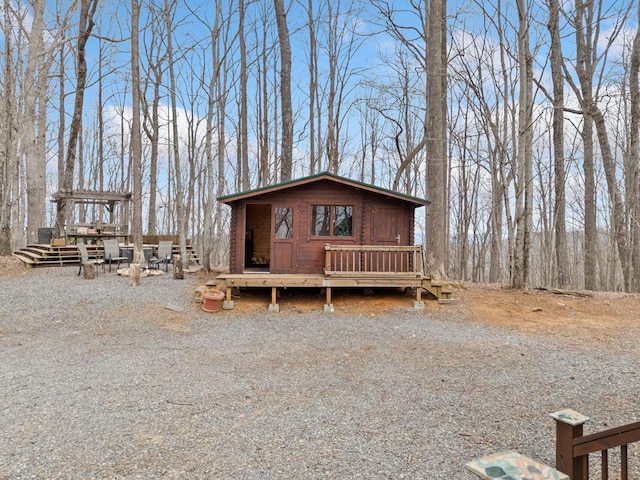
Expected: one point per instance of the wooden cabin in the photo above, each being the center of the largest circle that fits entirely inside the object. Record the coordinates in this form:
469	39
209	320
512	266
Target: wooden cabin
284	228
323	231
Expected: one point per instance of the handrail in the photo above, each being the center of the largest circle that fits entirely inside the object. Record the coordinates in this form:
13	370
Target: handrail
612	438
381	259
573	448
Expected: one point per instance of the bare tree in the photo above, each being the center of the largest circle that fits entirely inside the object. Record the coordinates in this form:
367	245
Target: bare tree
286	150
264	103
7	164
427	44
585	69
154	70
524	187
208	225
169	12
436	138
315	161
136	145
587	20
634	155
342	45
243	131
33	143
86	24
557	76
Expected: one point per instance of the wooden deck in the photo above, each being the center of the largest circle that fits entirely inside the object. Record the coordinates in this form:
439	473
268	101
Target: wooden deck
347	266
227	282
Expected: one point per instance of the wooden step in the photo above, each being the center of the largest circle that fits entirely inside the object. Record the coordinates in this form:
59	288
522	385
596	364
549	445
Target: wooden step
24	258
440	289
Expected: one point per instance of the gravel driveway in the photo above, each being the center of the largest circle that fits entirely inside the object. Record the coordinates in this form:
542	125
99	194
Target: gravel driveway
99	379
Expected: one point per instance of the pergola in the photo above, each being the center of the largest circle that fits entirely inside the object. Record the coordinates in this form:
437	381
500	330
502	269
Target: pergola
110	200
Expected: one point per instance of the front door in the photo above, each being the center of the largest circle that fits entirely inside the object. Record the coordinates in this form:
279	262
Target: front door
283	253
257	240
387	226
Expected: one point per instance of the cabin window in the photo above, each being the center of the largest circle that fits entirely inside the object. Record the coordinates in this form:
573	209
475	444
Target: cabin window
284	222
331	220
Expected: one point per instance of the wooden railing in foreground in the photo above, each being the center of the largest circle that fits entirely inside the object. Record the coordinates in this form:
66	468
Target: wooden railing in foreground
573	448
373	259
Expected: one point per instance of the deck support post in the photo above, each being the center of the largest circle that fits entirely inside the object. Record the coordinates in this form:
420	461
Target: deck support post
418	304
328	306
227	304
273	306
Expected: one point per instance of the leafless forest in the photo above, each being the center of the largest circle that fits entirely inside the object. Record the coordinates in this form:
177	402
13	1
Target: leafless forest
519	120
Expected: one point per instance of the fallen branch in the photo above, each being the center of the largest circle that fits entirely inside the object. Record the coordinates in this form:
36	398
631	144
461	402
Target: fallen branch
573	293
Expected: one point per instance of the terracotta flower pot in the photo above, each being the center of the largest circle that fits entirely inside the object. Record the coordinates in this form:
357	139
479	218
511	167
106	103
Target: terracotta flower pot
212	300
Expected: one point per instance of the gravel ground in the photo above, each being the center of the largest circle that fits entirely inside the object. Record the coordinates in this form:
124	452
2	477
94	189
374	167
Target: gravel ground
99	379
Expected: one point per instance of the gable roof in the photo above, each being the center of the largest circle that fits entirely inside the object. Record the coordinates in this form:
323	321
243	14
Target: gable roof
323	176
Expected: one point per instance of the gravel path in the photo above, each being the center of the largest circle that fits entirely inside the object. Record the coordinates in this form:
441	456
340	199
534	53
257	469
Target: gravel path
99	379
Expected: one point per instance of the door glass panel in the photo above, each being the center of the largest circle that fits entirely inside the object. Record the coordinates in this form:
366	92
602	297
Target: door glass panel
284	222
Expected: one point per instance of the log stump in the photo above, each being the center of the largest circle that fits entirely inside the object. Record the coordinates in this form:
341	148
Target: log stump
134	274
89	270
178	269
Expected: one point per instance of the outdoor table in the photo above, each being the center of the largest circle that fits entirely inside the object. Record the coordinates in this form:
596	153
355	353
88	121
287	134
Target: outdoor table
92	238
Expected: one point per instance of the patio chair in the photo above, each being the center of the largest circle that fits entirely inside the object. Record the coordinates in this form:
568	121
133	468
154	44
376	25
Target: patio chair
112	252
165	249
86	257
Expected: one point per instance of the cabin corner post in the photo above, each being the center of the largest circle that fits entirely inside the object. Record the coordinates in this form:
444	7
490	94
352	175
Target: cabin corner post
327	257
569	426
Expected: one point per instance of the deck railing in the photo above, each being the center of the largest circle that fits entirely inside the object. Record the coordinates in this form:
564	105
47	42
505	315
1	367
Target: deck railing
573	448
368	259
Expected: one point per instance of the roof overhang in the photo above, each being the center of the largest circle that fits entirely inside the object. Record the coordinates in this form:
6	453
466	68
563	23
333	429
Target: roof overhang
324	176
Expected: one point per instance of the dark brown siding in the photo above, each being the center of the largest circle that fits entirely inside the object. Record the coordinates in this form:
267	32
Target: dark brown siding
309	251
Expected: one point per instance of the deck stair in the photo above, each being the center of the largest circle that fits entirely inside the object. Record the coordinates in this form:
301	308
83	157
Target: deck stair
440	289
41	255
38	255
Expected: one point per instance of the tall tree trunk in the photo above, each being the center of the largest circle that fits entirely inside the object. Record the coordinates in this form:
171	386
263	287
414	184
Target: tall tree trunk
152	130
8	141
136	144
153	76
179	190
332	121
634	157
436	143
524	185
559	218
590	222
86	23
585	66
61	114
313	87
32	154
615	196
208	223
221	98
286	149
243	139
263	112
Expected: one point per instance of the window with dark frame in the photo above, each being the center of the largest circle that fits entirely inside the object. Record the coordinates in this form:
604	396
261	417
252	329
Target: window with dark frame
331	220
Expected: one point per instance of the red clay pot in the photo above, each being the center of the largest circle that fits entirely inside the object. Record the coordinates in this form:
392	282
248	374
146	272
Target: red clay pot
212	300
